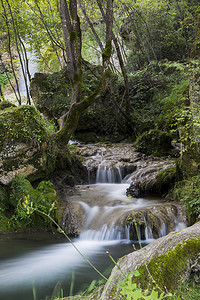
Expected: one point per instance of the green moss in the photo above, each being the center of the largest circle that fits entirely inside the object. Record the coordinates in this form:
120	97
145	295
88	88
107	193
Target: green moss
154	142
166	179
171	268
108	50
24	123
73	36
6	104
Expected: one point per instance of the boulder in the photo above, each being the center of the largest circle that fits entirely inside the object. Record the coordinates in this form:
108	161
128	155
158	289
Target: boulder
154	142
168	260
25	138
155	179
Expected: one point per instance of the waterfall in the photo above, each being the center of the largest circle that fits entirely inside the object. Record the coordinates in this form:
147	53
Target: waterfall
107	174
33	68
163	230
107	211
106	232
148	232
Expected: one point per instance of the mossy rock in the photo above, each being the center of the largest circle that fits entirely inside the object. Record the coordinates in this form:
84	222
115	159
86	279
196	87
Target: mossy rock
154	142
51	93
23	123
168	261
5	104
31	206
26	144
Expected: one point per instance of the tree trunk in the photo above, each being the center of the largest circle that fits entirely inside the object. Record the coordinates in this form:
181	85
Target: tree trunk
72	37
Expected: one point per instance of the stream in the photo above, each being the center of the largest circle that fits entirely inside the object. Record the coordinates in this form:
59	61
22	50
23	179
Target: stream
34	265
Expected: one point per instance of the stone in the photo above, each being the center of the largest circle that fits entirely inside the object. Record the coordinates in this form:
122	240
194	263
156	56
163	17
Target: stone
24	135
169	259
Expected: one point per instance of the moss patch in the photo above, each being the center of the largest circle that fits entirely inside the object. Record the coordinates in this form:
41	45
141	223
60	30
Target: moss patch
22	124
154	142
171	268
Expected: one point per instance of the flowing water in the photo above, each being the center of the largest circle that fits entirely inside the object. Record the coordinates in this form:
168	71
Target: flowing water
33	68
36	263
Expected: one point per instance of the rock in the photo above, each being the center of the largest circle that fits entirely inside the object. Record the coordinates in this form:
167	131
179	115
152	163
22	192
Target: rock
154	142
169	259
51	93
156	221
24	137
70	216
153	178
114	156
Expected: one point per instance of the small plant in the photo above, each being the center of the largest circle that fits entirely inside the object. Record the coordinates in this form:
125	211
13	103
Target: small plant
131	291
24	199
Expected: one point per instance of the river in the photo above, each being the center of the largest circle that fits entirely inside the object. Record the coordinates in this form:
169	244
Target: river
41	261
34	263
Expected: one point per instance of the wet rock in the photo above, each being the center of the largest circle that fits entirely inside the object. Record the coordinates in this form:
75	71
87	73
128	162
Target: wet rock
108	156
154	178
156	221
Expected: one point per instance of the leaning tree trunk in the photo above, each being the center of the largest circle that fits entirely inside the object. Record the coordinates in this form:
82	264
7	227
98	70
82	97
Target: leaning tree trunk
72	37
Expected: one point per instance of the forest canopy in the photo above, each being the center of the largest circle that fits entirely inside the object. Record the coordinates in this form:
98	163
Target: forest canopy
146	45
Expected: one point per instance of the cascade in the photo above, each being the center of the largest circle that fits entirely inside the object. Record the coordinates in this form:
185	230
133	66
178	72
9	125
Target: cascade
106	211
33	68
107	174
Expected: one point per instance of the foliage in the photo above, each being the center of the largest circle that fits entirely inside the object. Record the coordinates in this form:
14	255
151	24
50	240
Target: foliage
188	191
158	30
130	290
173	106
188	290
3	199
4	79
24	123
154	142
24	196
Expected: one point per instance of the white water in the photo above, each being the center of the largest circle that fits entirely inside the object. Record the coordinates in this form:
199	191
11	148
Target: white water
33	68
32	264
104	206
107	174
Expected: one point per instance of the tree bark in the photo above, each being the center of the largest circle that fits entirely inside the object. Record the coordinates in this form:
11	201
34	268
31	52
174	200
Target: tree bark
72	37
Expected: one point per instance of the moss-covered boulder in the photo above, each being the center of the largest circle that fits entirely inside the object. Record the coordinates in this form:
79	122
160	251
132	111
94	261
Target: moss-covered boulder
168	261
154	142
25	140
51	93
5	104
159	184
